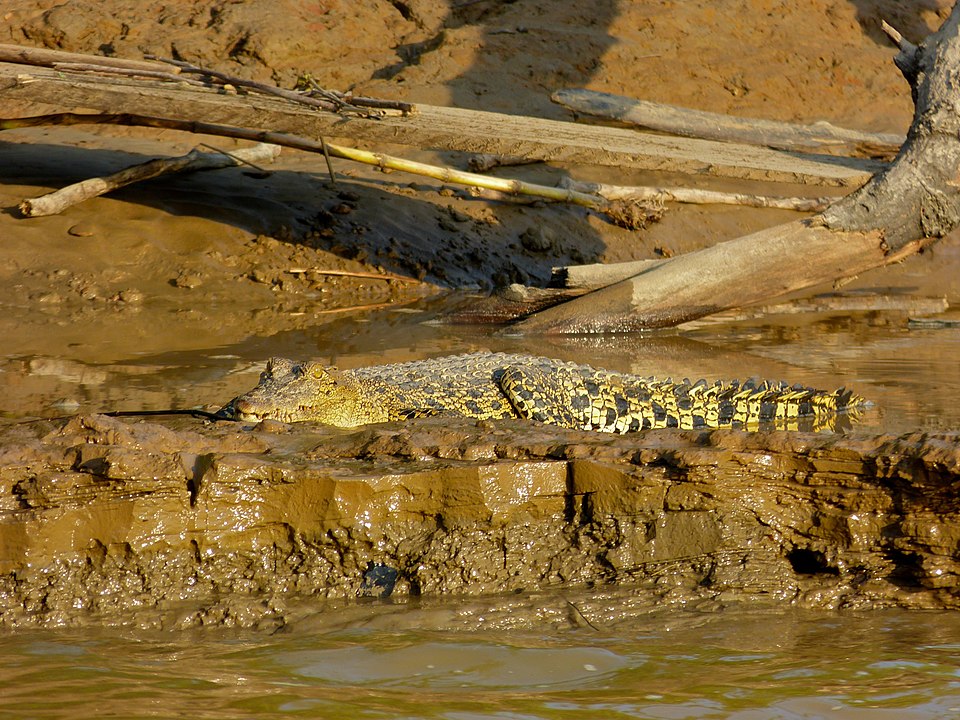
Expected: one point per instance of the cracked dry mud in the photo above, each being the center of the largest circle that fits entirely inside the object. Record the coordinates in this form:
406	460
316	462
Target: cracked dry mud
126	522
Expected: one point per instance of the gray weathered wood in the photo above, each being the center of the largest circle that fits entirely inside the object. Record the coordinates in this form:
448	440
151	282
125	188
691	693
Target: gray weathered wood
738	272
820	136
49	58
433	127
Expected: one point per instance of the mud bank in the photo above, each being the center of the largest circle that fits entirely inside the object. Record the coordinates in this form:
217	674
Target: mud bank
137	523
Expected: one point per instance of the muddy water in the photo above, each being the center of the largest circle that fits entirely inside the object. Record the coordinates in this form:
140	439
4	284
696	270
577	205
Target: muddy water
738	664
408	660
907	370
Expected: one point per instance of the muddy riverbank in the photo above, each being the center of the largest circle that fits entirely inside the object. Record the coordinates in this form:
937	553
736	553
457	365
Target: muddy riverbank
127	522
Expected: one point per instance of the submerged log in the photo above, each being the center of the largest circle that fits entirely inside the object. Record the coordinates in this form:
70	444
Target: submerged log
112	521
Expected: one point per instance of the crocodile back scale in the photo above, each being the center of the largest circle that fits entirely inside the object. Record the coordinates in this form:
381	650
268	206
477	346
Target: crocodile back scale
496	386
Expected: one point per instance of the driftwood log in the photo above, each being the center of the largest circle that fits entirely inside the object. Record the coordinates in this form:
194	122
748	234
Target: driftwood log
818	137
906	206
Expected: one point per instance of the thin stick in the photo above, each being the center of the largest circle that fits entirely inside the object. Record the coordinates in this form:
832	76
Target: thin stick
203	414
59	200
358	274
695	196
49	58
126	72
326	156
359	308
332	105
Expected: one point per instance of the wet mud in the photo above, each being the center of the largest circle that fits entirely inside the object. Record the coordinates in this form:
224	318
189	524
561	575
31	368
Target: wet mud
130	522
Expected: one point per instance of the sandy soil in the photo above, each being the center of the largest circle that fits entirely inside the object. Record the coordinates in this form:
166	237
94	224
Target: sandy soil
156	268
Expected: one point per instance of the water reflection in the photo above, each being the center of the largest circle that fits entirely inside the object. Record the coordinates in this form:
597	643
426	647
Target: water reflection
910	374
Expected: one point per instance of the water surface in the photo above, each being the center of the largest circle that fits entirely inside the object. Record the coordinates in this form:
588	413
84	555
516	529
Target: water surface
733	664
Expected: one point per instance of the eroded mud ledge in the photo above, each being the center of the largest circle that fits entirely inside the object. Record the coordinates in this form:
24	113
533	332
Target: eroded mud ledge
127	522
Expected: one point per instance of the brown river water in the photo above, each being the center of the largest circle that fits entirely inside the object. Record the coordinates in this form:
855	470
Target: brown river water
402	660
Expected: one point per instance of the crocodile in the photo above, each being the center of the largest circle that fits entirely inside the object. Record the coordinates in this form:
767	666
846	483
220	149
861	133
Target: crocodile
498	385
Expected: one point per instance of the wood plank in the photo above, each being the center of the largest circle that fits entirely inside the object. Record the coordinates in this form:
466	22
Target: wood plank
438	128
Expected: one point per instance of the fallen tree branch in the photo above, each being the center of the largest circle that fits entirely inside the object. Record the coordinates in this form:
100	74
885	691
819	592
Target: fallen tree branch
619	210
743	271
125	71
695	196
55	202
317	97
820	136
517	301
356	274
833	303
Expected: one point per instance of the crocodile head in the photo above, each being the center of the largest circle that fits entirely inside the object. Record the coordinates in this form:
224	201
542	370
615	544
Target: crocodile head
294	392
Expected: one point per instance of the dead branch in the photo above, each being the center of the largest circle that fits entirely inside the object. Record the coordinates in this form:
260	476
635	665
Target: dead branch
835	303
328	100
125	71
695	196
42	57
911	204
907	60
57	201
820	136
381	160
517	301
355	274
738	272
439	128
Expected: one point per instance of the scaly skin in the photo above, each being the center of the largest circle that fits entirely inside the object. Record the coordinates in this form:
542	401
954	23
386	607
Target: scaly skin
495	386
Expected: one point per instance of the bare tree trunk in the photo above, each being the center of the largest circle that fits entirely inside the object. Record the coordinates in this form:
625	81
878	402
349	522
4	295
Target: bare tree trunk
910	204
